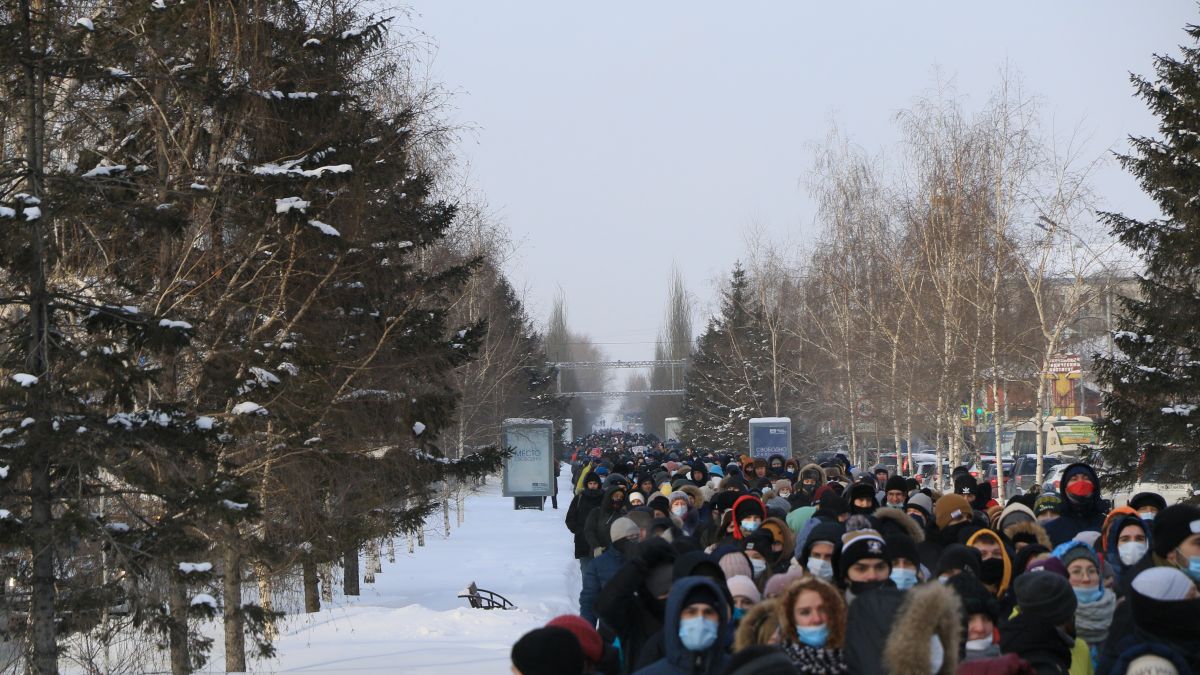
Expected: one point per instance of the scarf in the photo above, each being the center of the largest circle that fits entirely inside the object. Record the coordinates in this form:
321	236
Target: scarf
816	660
1092	619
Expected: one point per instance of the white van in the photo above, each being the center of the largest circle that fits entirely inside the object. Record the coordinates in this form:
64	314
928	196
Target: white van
1166	476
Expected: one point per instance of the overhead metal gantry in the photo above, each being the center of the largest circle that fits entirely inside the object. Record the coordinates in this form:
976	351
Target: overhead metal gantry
604	365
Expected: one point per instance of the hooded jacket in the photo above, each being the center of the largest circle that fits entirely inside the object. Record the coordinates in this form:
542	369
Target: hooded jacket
600	519
813	471
929	610
1112	555
742	507
582	505
679	660
1006	579
1078	514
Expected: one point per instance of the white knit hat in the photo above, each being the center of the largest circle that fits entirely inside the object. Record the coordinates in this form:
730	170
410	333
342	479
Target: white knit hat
1163	583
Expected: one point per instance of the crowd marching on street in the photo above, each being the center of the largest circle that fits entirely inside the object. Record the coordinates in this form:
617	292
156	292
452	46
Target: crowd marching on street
716	563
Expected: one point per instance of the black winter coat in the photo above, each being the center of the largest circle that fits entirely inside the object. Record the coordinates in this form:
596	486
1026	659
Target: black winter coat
577	514
1047	648
600	519
625	607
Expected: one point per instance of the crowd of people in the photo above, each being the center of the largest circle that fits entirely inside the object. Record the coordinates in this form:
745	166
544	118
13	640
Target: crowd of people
701	562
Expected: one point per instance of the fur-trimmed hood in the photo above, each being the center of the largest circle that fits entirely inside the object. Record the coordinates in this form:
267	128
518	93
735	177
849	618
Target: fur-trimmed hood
835	610
1032	529
758	627
813	470
928	610
887	514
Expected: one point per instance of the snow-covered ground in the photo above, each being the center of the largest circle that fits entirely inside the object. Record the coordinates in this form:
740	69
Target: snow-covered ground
409	620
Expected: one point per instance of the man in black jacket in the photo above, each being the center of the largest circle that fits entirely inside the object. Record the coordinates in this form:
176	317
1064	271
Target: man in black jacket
581	505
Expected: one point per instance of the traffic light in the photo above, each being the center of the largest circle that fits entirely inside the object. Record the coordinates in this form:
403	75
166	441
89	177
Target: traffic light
979	411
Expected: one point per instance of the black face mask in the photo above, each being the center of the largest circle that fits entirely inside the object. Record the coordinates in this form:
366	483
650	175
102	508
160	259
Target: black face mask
992	571
860	587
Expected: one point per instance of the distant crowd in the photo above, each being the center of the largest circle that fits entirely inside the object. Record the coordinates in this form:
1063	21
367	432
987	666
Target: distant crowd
710	563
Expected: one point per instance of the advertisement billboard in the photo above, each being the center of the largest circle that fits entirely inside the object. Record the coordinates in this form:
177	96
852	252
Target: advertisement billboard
770	436
529	471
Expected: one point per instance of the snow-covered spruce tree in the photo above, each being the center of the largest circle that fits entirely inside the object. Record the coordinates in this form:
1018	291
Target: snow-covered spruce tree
114	477
1154	383
726	385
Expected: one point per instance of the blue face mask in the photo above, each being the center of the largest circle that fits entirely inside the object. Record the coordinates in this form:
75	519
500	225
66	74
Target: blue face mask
738	613
813	636
697	634
1088	594
1193	568
822	569
749	526
904	579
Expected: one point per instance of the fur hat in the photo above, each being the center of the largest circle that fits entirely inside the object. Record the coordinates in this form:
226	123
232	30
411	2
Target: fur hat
896	482
758	627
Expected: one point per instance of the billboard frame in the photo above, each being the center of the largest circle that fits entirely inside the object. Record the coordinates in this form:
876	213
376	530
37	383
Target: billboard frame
514	426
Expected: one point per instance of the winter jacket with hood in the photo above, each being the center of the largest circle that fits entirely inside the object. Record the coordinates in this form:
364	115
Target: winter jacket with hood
679	660
600	519
1112	555
581	505
746	505
603	568
929	610
626	608
1006	579
816	473
1084	514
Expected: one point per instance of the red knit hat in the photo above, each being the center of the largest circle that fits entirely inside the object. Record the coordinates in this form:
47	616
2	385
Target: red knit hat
589	639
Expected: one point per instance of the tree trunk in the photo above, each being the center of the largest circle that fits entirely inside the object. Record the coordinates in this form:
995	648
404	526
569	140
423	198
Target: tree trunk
178	635
372	562
325	571
231	589
312	597
350	571
266	597
392	548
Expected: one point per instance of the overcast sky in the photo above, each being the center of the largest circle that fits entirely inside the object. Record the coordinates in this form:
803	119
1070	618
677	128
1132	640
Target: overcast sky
616	138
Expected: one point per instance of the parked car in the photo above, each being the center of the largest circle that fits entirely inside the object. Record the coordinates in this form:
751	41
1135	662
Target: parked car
1167	474
1053	477
1024	471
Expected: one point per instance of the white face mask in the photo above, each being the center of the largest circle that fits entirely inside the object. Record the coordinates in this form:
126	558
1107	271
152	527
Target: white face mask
680	511
785	495
979	645
822	569
1131	551
759	566
1147	515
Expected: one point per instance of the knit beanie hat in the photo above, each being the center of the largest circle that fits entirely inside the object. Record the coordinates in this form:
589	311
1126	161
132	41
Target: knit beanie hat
622	528
1047	503
1148	499
761	542
1052	565
902	546
679	494
548	651
735	563
950	507
744	586
1174	524
1163	583
1046	595
701	593
965	484
1151	664
779	583
640	497
860	545
922	503
959	557
896	482
589	640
